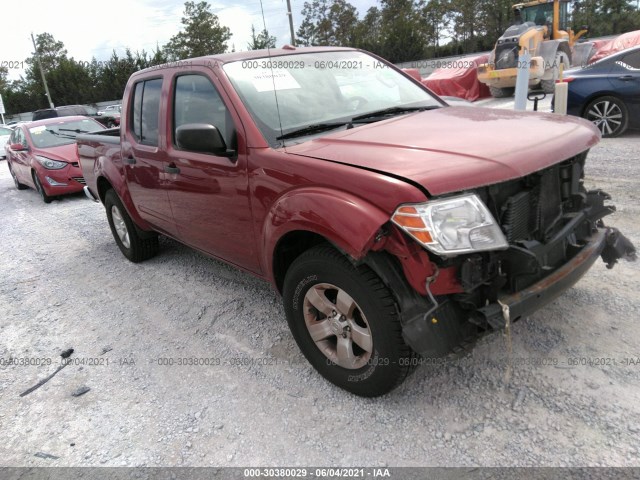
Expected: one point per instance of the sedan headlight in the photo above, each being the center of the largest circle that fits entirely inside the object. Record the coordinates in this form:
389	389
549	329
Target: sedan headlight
451	226
50	164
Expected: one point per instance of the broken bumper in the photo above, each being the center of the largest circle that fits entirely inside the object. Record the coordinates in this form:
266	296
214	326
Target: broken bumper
607	242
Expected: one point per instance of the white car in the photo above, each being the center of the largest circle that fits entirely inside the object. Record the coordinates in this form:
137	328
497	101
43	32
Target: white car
5	133
110	109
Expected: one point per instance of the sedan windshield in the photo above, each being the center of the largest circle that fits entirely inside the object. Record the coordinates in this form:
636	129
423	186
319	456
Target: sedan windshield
62	132
314	92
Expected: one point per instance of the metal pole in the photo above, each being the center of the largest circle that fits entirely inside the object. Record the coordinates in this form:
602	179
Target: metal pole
293	38
46	88
522	80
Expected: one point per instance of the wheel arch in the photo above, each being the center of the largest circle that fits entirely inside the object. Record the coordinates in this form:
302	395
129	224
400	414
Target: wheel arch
599	94
289	248
103	186
305	217
34	174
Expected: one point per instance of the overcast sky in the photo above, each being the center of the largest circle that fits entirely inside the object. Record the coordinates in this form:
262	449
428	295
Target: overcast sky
90	29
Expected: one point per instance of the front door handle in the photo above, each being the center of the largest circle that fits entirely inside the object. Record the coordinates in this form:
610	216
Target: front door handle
626	78
130	160
171	168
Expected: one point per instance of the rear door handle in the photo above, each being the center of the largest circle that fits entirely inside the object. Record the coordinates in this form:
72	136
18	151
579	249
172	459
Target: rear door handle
130	161
171	168
626	78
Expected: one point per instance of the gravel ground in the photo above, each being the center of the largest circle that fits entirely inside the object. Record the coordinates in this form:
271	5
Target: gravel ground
64	284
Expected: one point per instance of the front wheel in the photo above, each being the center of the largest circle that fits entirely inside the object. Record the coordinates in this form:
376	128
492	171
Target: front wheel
16	182
609	115
131	243
45	198
345	322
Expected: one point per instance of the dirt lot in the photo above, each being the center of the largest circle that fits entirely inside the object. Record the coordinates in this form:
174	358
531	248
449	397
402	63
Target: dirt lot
573	397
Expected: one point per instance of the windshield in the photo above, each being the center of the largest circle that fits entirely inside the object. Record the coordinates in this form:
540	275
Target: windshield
539	14
320	88
62	132
543	14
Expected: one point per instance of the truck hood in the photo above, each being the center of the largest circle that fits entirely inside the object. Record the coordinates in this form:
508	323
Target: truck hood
452	149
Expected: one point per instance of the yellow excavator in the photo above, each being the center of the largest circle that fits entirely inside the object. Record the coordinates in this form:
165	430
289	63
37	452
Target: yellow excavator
541	27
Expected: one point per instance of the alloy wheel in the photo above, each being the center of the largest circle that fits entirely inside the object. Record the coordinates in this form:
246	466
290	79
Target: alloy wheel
120	226
607	116
338	326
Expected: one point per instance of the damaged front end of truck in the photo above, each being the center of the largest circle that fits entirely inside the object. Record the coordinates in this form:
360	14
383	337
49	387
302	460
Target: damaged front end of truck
484	258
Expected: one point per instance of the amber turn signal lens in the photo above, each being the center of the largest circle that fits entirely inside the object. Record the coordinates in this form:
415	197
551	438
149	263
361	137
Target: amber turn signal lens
422	235
409	222
409	210
408	218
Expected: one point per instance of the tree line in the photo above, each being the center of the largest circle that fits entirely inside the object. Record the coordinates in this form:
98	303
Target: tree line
407	30
398	30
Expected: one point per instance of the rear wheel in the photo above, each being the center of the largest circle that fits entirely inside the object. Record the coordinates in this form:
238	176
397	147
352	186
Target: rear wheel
131	243
16	182
45	198
609	115
497	92
345	322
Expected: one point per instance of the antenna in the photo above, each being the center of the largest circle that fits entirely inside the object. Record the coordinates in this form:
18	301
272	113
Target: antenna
290	15
273	78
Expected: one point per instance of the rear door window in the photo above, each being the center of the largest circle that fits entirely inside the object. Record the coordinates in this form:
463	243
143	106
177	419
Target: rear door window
146	111
633	60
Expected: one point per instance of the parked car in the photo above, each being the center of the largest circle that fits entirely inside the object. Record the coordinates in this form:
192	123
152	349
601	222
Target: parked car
43	155
391	223
64	111
607	92
109	109
5	134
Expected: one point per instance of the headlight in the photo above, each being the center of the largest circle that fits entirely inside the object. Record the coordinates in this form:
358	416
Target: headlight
50	164
451	226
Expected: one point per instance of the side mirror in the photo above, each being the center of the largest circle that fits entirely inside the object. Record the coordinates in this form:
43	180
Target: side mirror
17	147
202	137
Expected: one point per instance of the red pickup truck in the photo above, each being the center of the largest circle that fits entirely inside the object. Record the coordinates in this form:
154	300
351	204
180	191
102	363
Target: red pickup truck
391	223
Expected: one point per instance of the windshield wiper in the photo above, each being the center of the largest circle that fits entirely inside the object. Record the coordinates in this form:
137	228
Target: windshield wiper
389	112
308	130
57	134
76	130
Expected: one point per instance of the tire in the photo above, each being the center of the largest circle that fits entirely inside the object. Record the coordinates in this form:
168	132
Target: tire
16	182
45	198
609	115
110	124
549	86
352	299
131	243
502	92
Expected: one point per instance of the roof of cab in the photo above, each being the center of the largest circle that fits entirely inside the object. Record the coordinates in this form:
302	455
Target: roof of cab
235	56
